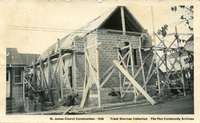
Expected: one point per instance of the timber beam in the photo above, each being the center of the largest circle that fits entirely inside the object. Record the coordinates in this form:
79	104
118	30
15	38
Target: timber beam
132	80
54	56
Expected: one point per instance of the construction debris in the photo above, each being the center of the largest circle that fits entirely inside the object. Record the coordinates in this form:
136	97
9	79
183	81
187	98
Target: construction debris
70	100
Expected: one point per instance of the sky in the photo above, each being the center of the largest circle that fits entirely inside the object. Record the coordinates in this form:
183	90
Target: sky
32	27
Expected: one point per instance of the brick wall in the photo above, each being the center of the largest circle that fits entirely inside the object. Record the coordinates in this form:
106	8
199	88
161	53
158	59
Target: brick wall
80	60
91	40
107	53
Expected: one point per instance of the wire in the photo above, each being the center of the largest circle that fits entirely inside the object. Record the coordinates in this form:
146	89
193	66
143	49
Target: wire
47	30
167	13
179	22
44	29
157	12
12	26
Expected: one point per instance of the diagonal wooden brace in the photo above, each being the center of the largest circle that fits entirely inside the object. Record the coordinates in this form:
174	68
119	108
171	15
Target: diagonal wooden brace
132	80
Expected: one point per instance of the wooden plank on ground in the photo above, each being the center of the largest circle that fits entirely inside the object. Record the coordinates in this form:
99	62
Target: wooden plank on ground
67	110
134	82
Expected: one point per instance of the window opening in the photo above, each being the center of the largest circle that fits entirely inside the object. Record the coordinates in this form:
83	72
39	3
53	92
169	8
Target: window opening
7	75
70	75
126	50
18	76
64	66
135	57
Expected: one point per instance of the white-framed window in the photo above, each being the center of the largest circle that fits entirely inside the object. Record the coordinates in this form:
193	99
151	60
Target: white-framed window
18	76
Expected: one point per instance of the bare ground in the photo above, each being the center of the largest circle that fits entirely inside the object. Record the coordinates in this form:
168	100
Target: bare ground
177	105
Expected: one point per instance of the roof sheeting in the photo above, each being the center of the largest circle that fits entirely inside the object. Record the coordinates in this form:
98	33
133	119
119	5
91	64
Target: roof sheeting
45	54
13	57
91	26
66	42
27	59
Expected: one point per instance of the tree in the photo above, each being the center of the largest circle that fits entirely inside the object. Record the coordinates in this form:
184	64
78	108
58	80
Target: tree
188	17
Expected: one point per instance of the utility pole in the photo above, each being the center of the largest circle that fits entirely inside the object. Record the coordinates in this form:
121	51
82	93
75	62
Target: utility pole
155	51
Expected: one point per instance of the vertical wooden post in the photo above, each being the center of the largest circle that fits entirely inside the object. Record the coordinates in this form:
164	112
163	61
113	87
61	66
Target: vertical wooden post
133	74
158	78
97	73
48	71
167	72
86	82
49	76
33	80
182	78
74	71
85	79
44	79
123	20
23	86
60	70
41	78
143	75
180	64
120	77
